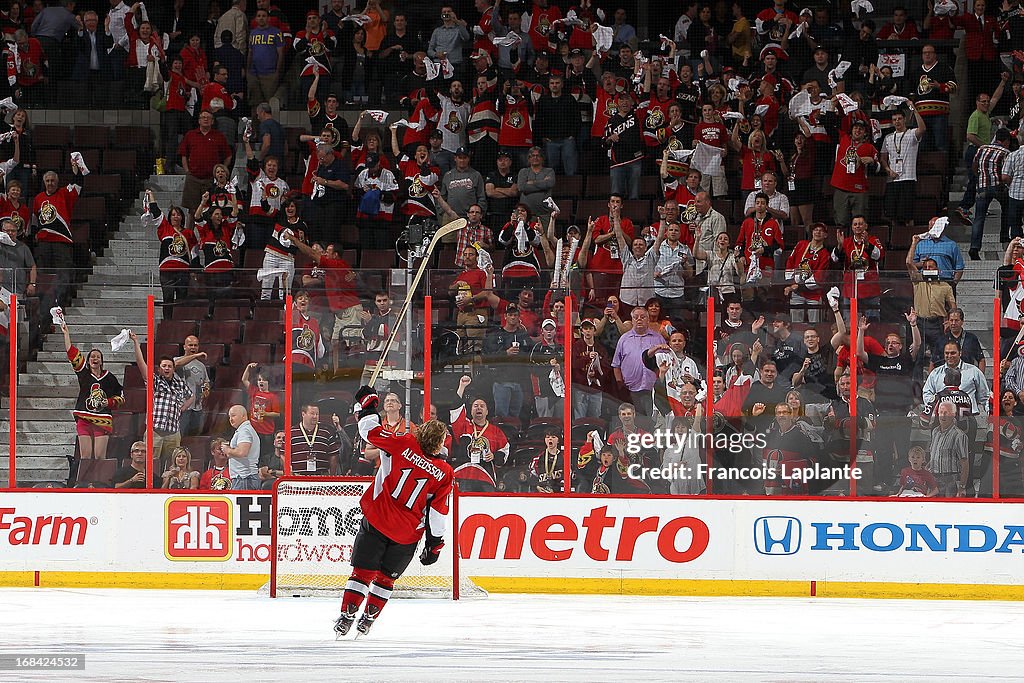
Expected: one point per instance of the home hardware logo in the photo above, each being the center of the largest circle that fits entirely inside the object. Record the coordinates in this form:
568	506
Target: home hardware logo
198	529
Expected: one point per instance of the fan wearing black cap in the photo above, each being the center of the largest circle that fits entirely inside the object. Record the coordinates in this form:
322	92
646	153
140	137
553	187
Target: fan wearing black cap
463	187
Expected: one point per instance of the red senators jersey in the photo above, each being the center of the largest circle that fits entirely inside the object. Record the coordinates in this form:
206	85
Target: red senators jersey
808	267
410	489
216	91
604	109
516	127
20	215
541	20
307	346
418	200
848	174
422	123
53	212
216	245
479	442
484	121
178	92
860	263
605	258
761	234
177	247
316	45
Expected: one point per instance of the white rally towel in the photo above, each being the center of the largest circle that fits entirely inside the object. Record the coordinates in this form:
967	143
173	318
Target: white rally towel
378	115
846	102
859	7
7	104
509	40
285	238
318	66
800	105
798	31
358	19
761	109
603	37
6	239
893	101
943	7
733	116
550	203
238	237
735	83
681	154
264	273
57	314
246	128
76	157
836	74
833	297
935	232
120	341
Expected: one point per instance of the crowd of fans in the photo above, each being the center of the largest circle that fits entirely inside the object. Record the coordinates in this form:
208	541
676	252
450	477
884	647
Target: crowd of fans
778	164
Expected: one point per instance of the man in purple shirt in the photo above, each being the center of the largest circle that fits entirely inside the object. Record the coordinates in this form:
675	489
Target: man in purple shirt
628	363
266	57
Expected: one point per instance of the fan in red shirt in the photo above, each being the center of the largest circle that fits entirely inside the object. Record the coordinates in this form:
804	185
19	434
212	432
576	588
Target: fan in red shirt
854	155
604	267
806	270
761	236
542	16
340	287
410	495
860	255
483	446
472	289
12	206
264	404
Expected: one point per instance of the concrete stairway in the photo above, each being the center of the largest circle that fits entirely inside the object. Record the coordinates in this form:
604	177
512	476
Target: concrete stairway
113	297
976	292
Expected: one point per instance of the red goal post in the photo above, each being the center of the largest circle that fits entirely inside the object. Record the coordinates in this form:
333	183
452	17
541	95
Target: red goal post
315	520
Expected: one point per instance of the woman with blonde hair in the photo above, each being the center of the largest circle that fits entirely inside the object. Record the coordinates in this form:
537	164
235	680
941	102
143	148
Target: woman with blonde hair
180	474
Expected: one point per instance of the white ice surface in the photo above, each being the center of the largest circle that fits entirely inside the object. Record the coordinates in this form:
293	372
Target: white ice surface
238	636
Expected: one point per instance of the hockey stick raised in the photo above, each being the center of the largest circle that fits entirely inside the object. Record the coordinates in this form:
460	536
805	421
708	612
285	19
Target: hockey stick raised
446	229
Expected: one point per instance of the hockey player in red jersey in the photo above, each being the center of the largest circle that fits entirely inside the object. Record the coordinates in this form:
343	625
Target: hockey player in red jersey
410	495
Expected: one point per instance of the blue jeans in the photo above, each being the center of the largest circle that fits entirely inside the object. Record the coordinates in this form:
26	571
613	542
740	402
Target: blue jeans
936	136
985	197
508	399
564	150
626	180
1015	212
585	403
971	190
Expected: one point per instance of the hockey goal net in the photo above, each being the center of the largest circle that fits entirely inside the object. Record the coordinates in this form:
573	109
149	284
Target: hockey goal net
315	524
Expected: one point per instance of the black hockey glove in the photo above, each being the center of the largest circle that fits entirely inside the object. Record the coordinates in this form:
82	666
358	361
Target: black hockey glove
366	401
431	550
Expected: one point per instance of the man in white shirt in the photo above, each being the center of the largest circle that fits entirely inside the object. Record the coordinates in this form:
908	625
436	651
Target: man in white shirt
244	451
778	203
674	266
899	161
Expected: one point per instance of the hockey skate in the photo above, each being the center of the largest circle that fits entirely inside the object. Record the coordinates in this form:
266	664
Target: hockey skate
366	621
344	623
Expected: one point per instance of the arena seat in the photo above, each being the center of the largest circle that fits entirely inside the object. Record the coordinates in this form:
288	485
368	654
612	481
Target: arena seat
91	137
